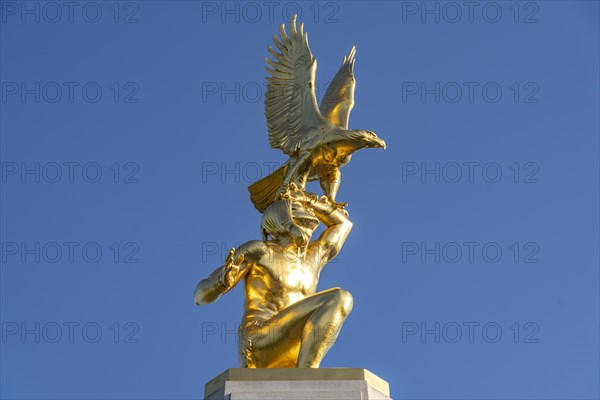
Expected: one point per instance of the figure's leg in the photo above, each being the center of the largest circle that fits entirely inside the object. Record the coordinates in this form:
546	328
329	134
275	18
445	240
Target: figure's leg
323	327
301	334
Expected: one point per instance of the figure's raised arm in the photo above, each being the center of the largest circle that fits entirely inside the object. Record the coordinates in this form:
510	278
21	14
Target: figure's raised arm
222	279
338	228
335	219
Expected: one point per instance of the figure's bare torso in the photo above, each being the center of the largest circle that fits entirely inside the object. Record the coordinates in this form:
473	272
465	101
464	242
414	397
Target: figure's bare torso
278	279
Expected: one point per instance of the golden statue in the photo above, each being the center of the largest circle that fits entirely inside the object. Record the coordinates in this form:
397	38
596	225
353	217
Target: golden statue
286	323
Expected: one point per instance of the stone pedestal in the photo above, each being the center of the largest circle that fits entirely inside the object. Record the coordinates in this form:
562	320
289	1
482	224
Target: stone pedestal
297	384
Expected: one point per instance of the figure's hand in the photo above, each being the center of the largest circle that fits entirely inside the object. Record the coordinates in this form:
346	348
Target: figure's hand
340	206
231	269
291	192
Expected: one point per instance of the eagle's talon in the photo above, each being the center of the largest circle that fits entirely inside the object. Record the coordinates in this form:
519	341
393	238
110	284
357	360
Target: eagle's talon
339	206
286	191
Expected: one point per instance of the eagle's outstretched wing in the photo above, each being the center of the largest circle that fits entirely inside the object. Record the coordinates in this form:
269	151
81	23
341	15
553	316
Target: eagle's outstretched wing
290	103
339	97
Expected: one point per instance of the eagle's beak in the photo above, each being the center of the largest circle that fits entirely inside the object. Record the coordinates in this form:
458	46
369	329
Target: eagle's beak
378	143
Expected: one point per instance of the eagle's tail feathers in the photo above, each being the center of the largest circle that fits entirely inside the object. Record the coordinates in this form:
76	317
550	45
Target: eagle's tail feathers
263	192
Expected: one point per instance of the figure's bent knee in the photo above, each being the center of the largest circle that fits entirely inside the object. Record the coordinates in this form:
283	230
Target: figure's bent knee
343	300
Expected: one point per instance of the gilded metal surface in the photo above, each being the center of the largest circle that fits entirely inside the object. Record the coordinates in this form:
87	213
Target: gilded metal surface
317	141
286	322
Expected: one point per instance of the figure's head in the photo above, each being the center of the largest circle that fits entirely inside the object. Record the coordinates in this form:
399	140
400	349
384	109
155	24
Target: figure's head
304	218
366	139
285	218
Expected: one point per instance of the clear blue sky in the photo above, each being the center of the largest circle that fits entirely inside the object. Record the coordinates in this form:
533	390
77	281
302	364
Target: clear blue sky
467	284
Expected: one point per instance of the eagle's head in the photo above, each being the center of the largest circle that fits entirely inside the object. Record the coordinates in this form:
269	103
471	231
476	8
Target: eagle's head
362	139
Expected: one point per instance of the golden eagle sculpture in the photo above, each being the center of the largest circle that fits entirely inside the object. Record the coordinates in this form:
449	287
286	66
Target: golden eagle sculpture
317	140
